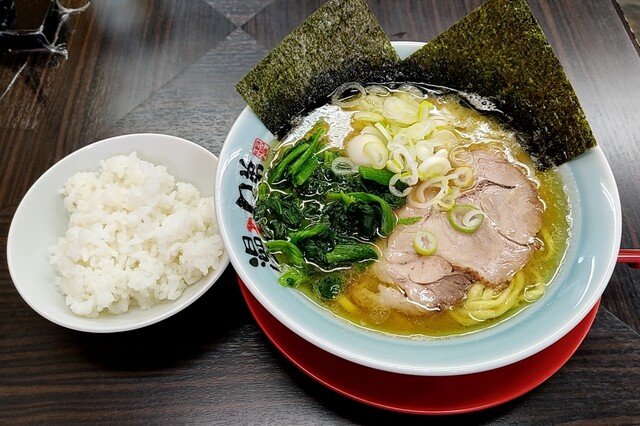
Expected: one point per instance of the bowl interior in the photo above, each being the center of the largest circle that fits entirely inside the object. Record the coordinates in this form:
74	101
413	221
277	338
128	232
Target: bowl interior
33	231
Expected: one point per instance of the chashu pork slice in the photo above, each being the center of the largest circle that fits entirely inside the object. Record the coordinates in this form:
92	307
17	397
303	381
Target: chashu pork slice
501	246
506	196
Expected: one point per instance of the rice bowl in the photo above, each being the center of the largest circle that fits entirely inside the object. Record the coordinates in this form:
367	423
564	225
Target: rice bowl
136	236
31	234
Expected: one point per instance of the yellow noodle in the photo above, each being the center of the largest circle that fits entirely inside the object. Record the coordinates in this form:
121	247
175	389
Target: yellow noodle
534	292
346	303
461	316
483	303
549	246
475	291
483	314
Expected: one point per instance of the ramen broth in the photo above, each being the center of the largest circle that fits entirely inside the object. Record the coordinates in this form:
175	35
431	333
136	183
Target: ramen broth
483	306
538	274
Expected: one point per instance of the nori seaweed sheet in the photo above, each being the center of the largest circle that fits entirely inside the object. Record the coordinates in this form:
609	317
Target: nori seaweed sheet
499	51
340	42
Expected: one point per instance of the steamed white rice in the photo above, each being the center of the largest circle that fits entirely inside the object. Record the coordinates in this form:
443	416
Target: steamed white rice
135	237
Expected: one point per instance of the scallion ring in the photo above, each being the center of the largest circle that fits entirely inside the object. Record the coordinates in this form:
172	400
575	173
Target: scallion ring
368	116
377	153
424	150
377	90
449	200
348	95
462	177
343	166
423	111
433	166
410	89
461	156
384	131
428	193
465	218
394	190
425	242
399	110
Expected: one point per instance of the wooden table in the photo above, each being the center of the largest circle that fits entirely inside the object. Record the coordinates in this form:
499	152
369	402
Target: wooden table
170	66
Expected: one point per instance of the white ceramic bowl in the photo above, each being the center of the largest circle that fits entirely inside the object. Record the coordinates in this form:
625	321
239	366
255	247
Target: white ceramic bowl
41	218
577	288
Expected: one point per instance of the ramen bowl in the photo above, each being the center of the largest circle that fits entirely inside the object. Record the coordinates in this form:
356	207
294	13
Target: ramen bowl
41	218
574	291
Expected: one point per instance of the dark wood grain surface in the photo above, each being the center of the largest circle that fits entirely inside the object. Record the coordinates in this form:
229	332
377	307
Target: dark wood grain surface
169	66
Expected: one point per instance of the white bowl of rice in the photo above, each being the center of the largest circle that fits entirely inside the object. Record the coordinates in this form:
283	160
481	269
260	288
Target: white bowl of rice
118	235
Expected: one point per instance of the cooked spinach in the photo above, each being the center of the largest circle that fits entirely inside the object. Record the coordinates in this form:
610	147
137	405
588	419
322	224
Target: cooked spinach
315	220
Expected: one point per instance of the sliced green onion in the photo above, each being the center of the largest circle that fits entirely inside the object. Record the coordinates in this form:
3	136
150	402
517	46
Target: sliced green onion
442	152
368	116
423	111
372	130
465	218
411	90
425	242
384	131
377	153
377	150
407	135
462	177
403	162
343	166
424	150
329	156
377	90
460	157
401	157
411	177
428	193
394	166
445	137
399	110
449	200
393	188
348	95
400	137
434	166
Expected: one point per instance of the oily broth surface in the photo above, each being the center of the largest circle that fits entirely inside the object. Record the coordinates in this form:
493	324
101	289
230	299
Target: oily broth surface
538	272
475	130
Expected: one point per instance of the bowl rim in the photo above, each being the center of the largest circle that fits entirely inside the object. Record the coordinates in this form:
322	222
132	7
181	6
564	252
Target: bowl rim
96	151
607	259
